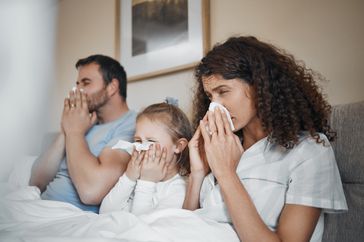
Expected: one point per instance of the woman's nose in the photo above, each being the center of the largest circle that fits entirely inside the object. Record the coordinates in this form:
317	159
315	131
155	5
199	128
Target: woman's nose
216	100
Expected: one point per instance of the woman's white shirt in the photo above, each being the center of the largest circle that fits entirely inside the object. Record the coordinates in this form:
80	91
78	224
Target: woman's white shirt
141	196
273	176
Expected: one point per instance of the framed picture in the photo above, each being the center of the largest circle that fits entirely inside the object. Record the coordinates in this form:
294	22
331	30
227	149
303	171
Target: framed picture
156	37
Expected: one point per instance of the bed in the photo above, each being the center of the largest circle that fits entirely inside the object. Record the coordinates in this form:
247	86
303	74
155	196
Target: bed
25	217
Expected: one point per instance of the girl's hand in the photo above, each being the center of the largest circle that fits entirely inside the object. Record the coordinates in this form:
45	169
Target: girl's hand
134	165
198	162
154	166
223	147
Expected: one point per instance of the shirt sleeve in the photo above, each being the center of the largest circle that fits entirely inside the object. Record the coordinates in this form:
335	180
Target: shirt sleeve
316	182
119	196
143	197
206	187
124	131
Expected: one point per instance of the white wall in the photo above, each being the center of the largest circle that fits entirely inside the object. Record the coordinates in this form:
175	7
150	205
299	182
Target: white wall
84	27
27	39
179	85
326	34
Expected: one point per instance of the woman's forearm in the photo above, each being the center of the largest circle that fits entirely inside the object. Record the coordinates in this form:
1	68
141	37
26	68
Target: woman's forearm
245	217
192	200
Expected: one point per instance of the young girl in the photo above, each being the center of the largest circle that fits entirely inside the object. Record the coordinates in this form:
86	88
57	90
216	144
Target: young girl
154	178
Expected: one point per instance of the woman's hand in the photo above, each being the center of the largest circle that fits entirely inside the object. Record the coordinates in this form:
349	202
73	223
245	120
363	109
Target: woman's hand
198	162
154	167
222	146
134	165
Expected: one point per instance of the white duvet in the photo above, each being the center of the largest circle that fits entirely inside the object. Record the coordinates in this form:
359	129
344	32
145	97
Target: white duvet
25	217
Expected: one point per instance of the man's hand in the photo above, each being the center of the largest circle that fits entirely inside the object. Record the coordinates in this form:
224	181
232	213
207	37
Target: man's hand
76	118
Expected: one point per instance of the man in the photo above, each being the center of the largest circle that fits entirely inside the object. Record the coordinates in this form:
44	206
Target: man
80	167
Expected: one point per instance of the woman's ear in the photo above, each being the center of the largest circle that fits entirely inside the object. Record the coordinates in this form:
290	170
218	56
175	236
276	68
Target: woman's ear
113	87
180	145
249	91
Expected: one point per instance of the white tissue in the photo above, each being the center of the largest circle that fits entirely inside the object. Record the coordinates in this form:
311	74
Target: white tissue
213	105
75	88
142	146
128	147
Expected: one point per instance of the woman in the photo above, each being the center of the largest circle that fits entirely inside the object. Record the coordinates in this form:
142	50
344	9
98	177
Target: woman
276	175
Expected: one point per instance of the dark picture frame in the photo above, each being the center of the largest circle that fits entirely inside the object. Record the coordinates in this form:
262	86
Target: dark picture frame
157	37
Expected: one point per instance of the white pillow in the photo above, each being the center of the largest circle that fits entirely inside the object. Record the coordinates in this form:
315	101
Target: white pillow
20	174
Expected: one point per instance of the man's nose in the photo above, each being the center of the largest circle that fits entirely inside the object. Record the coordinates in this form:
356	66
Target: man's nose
80	86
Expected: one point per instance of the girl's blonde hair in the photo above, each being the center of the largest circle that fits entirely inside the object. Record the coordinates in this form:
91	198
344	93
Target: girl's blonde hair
177	125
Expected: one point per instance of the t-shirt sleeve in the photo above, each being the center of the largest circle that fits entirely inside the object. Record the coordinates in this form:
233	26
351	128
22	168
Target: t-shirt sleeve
316	182
124	131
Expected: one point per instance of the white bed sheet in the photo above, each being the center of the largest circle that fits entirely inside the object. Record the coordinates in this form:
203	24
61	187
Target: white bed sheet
25	217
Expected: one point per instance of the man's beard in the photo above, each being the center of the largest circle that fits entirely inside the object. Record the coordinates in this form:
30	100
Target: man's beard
97	100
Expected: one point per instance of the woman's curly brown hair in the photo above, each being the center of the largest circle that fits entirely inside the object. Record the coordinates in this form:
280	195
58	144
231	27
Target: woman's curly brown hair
287	98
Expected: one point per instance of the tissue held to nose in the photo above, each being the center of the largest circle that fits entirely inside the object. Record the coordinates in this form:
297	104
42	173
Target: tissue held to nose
128	147
212	107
